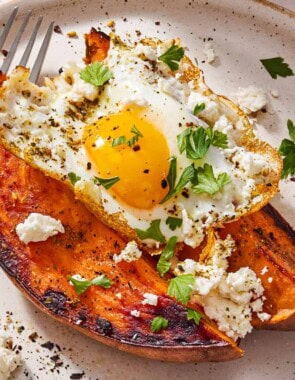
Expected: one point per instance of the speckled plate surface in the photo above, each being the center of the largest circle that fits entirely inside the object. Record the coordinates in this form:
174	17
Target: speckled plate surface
243	32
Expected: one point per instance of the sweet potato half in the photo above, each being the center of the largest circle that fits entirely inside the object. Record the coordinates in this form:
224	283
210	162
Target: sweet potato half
41	270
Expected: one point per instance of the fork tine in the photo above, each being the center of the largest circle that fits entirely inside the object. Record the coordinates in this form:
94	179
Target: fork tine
40	58
8	26
11	53
30	45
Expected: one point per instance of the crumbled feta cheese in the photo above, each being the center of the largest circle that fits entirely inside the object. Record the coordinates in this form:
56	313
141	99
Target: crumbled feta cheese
119	295
37	227
226	297
274	93
251	99
264	270
211	111
192	236
147	51
209	52
264	316
9	360
129	253
83	90
270	280
174	88
135	313
150	299
252	163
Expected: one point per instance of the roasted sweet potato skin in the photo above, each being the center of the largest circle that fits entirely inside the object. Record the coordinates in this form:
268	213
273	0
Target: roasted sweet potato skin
265	239
41	270
97	46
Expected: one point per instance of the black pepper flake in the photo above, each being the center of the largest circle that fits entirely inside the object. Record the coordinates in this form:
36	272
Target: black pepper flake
49	345
33	337
157	23
164	183
57	29
146	171
185	194
77	376
88	165
136	148
4	52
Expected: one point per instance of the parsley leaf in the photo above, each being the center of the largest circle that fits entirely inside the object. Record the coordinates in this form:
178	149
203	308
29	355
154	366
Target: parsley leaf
195	315
287	151
159	323
73	178
206	182
277	67
164	264
153	232
81	285
96	74
107	183
181	287
173	222
196	142
172	57
199	108
119	141
135	138
218	139
186	176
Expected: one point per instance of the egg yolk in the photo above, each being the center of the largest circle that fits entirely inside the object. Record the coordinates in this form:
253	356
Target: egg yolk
129	146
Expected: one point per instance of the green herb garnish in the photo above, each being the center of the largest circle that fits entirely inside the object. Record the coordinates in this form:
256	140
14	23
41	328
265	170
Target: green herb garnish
135	138
196	142
206	182
172	57
186	176
164	264
159	323
73	178
119	141
107	183
96	74
173	222
153	232
195	315
81	285
277	67
287	151
199	108
181	287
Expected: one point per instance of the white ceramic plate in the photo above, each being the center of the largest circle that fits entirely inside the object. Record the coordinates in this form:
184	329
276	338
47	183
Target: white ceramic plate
243	32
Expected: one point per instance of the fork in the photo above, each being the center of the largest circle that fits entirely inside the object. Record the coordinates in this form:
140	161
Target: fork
35	72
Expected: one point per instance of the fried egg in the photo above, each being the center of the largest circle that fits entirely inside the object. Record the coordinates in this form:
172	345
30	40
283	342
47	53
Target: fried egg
114	144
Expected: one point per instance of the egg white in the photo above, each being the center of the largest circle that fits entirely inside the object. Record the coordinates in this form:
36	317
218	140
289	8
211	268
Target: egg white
44	126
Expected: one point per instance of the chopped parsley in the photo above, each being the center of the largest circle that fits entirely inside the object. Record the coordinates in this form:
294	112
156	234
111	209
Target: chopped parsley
107	183
164	263
73	178
186	176
172	57
196	142
159	323
181	287
195	315
173	222
121	140
206	182
199	108
277	67
96	74
287	151
153	232
81	285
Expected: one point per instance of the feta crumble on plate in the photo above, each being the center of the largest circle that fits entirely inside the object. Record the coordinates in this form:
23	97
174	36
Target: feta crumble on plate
129	253
9	360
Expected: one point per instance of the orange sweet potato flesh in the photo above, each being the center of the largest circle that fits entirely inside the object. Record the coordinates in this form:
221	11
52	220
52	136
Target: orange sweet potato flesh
41	270
97	46
264	239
